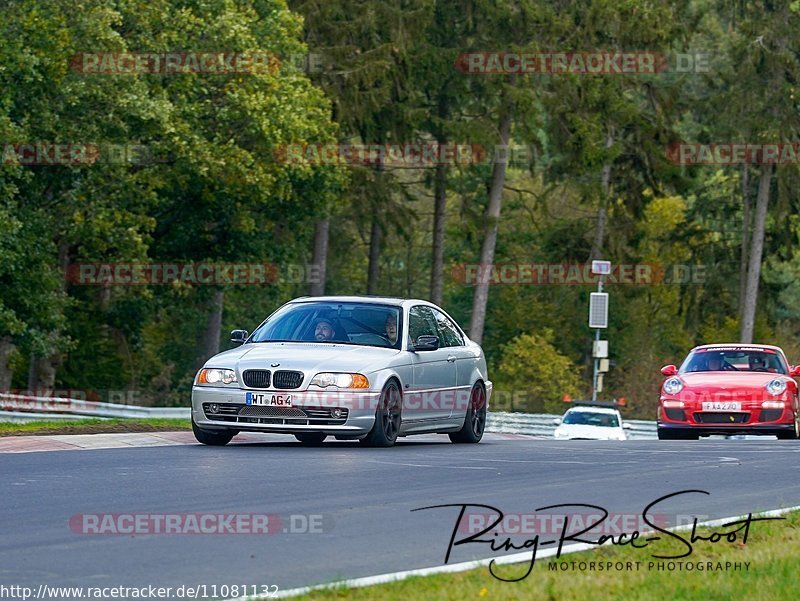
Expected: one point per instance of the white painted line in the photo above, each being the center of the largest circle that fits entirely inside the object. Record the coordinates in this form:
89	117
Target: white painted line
450	467
471	565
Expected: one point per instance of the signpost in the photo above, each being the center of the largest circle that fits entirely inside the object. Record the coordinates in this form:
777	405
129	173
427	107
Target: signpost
598	319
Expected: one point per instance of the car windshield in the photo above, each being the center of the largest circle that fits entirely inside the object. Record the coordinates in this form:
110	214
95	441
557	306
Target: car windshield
758	360
591	418
363	324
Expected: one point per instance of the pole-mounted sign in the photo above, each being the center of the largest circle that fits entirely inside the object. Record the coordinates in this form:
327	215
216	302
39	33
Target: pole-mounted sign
598	318
598	310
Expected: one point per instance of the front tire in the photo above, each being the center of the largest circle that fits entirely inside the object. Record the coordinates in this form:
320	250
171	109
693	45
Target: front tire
388	417
213	439
474	420
793	435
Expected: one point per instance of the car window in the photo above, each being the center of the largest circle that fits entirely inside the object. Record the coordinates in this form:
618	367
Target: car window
734	360
347	323
591	418
421	323
291	325
447	331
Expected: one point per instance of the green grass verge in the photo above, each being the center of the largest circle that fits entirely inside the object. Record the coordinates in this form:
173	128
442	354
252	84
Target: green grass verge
772	551
93	426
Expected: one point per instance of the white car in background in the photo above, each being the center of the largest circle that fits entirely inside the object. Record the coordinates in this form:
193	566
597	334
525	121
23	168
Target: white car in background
589	422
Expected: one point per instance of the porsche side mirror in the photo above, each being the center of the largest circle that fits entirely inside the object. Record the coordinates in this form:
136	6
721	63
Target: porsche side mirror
626	426
557	421
669	370
794	371
238	336
427	343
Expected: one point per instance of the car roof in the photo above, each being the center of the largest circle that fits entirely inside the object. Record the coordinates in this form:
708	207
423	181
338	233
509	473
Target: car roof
378	300
383	300
589	409
738	345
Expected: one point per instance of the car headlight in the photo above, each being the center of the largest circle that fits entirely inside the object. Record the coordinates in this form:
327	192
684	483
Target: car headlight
337	380
216	376
673	386
776	387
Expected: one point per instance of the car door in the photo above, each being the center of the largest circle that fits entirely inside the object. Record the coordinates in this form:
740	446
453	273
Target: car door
465	359
434	373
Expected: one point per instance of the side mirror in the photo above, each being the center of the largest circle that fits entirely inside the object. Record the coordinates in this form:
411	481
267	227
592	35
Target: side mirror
794	371
427	343
669	370
557	421
626	426
238	336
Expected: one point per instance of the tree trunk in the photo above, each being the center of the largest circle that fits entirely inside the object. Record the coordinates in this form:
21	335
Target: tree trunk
6	349
602	211
42	370
439	215
756	251
439	200
320	258
375	239
42	374
745	238
211	336
492	218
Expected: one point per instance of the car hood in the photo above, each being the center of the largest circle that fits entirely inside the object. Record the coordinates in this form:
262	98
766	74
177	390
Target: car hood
305	356
591	432
729	380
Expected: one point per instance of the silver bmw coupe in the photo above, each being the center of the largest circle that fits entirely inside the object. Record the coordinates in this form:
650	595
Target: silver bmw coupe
364	368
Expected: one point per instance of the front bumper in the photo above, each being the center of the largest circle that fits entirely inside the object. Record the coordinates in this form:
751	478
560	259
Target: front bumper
752	418
760	429
311	411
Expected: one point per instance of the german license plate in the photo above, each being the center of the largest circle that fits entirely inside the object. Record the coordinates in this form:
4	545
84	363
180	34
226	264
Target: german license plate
278	400
722	406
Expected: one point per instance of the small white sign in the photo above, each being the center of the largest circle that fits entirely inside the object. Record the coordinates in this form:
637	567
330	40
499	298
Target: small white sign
600	350
601	267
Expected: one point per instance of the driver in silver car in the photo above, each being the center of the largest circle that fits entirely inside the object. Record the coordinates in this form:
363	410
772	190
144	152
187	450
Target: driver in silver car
391	328
323	331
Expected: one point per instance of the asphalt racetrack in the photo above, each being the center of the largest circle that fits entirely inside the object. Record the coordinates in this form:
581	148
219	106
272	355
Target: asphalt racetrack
352	506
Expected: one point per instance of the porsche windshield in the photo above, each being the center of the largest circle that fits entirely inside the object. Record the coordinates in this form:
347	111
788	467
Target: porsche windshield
757	360
366	324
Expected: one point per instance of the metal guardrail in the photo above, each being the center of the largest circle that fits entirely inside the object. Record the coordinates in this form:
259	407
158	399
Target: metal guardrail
541	425
19	408
16	408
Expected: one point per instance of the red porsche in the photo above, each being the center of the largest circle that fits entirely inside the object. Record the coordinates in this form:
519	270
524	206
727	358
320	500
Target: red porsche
730	389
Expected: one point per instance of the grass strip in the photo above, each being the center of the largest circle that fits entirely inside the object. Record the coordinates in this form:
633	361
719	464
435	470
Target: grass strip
772	552
93	426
